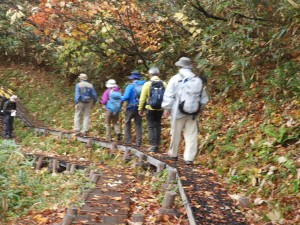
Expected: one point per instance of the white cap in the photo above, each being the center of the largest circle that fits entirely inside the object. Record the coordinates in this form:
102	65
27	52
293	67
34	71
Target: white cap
111	83
82	76
13	98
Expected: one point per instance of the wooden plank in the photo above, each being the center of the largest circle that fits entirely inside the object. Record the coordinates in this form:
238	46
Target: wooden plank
186	204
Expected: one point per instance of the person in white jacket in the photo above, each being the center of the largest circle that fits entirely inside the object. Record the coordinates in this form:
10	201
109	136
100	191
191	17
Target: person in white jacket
179	120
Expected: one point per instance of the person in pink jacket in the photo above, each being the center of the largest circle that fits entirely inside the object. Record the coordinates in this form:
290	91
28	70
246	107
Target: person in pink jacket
111	100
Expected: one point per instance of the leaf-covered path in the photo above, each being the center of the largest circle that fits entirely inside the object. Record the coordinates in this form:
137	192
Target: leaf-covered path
207	202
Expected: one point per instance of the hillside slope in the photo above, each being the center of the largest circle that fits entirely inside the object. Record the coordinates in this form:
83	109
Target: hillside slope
251	140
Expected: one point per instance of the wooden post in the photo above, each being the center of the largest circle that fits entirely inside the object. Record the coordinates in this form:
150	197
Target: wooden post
113	147
95	178
172	176
35	160
85	194
39	163
160	167
72	168
126	156
91	174
142	157
168	203
89	143
60	135
45	132
138	218
68	167
169	200
54	165
68	219
72	211
50	165
36	132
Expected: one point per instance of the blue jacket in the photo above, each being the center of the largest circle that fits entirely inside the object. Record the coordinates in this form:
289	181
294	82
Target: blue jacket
128	95
77	92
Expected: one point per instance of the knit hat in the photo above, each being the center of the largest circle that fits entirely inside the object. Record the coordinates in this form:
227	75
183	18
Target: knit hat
82	76
111	83
184	62
134	75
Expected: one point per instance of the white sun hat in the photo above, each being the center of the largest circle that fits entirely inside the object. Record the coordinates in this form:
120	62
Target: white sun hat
111	83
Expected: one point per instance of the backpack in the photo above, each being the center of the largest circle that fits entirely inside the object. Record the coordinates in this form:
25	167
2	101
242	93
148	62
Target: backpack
114	102
86	93
156	94
3	100
190	93
137	93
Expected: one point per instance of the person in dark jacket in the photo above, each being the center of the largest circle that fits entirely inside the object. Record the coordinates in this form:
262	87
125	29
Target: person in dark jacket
9	110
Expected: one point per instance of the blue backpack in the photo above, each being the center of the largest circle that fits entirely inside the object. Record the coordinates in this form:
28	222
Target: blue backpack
137	93
114	102
86	94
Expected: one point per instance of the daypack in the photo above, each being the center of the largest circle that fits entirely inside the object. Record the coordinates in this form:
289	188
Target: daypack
137	93
114	102
86	93
3	100
156	94
190	93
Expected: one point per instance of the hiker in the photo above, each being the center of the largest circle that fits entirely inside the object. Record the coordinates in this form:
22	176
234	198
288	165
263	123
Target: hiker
9	113
151	99
85	97
111	99
184	98
131	96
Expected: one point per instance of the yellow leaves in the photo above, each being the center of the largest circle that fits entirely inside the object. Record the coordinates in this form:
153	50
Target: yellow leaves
14	15
192	25
117	198
40	219
92	12
46	193
179	16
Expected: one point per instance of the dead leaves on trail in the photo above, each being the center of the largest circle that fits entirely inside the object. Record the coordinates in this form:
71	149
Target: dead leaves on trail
46	217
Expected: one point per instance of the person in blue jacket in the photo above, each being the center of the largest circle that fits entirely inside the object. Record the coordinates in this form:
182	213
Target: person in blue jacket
85	97
131	96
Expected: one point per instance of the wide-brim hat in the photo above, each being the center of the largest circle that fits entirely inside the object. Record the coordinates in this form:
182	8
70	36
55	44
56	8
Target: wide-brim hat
111	83
83	76
184	62
134	75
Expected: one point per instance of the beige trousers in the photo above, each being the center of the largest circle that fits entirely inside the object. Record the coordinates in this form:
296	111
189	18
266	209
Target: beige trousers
84	108
189	126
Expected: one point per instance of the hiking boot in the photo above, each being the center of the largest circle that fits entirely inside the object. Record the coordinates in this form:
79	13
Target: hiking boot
188	162
77	133
85	133
170	154
119	137
153	149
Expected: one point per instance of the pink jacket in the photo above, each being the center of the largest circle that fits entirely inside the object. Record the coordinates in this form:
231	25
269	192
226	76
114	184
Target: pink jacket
105	95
